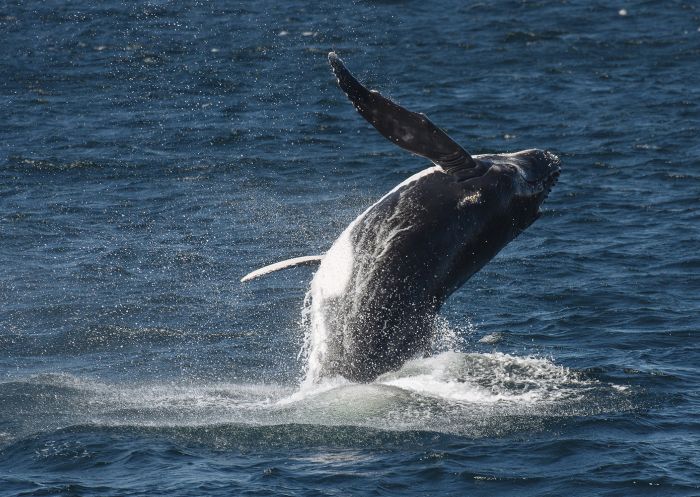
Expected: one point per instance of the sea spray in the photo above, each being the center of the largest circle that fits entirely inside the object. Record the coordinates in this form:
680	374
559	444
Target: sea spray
322	318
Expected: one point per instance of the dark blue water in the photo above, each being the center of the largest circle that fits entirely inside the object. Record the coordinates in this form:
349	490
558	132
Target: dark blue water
151	154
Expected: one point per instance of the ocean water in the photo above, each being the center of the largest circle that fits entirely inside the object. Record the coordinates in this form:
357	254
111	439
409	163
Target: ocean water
152	153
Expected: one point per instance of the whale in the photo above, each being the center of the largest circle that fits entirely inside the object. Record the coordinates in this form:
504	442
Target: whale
377	291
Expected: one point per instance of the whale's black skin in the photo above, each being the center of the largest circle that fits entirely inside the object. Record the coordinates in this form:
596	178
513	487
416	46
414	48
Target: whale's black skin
422	241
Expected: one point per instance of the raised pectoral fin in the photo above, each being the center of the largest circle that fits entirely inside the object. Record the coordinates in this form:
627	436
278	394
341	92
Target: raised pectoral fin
307	260
409	130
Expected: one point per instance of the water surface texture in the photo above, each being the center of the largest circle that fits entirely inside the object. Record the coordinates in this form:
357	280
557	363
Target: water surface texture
151	154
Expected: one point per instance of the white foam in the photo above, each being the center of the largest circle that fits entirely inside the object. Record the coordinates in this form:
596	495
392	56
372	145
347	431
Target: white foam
309	390
491	338
486	378
467	394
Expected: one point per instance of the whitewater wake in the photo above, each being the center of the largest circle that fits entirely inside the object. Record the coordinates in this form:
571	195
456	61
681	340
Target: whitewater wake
456	393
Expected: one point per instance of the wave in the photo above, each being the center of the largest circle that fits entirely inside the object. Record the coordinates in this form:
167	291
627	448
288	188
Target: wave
472	395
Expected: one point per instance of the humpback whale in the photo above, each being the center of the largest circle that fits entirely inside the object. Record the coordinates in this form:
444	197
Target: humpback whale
378	289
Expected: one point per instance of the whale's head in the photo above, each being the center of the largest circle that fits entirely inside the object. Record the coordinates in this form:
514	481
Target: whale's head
489	205
510	188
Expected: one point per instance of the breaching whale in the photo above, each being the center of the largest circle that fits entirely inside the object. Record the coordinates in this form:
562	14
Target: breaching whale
376	293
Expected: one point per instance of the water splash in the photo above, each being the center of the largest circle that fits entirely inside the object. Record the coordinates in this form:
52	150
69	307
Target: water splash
470	395
320	314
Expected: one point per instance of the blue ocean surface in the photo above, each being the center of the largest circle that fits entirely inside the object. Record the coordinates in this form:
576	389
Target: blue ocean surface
153	153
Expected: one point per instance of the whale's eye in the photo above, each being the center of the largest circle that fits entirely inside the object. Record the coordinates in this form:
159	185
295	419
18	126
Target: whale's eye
512	169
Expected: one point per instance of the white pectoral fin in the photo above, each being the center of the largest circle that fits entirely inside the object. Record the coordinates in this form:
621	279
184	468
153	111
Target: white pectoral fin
307	260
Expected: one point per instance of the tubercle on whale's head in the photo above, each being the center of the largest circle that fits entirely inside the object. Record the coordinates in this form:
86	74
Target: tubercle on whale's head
538	171
510	186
